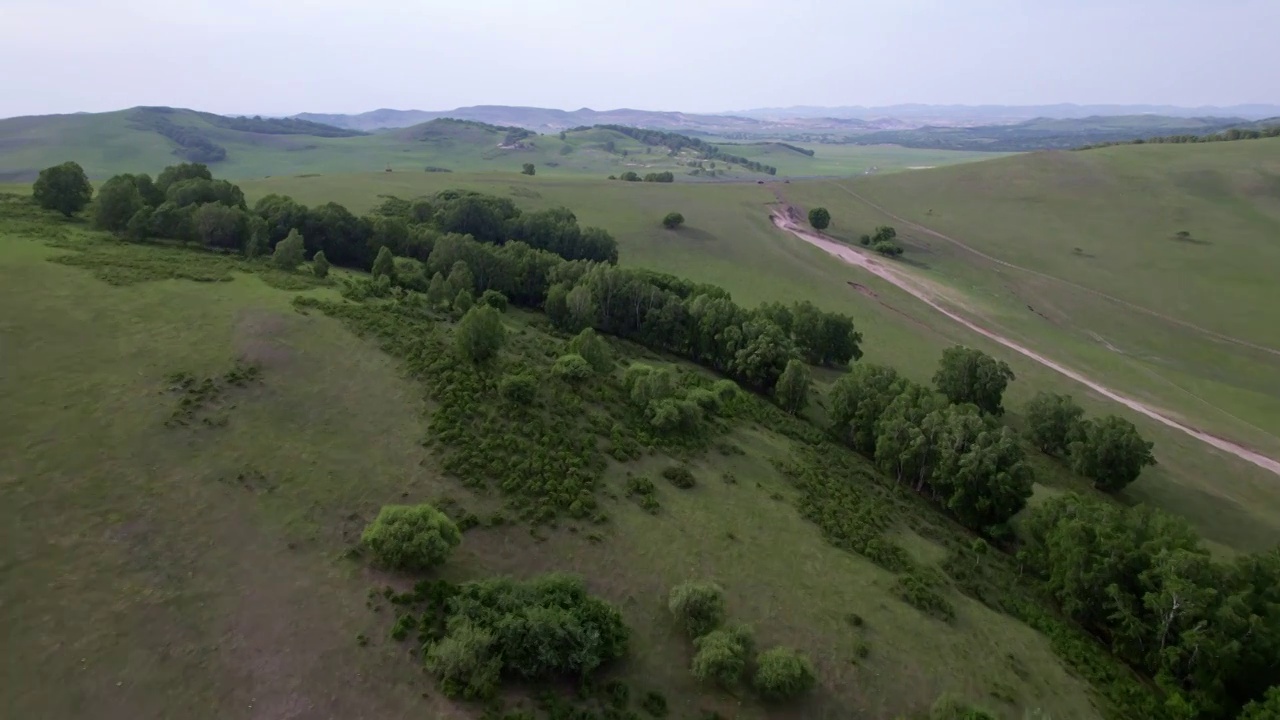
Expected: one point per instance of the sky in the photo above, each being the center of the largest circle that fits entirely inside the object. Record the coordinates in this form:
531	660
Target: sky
286	56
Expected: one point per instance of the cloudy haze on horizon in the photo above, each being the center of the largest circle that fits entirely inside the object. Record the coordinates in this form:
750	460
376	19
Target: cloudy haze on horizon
289	56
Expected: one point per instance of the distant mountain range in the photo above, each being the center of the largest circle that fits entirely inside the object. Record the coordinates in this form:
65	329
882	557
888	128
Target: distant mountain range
922	114
551	120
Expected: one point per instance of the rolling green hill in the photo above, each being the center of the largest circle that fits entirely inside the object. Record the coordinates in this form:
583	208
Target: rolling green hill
148	139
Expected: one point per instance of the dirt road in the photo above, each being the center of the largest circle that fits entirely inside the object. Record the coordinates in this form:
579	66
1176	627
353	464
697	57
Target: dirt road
784	219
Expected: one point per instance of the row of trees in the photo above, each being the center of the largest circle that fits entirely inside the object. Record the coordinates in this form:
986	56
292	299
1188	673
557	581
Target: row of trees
1109	450
677	142
1208	632
1226	136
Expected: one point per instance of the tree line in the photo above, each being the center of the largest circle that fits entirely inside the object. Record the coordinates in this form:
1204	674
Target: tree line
677	142
1226	136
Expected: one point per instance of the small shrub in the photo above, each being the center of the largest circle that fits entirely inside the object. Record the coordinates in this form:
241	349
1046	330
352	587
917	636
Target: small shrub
721	655
495	300
680	476
520	388
480	334
697	606
593	349
465	662
411	537
654	703
950	707
672	221
918	594
320	265
782	674
819	218
573	368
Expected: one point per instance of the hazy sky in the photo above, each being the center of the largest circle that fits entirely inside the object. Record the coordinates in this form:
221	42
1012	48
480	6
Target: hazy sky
287	56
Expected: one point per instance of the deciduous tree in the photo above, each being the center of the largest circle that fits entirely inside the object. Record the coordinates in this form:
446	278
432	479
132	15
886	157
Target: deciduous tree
63	188
819	218
967	375
1111	453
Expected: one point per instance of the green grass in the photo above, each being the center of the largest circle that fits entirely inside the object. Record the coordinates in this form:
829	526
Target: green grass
106	144
728	240
153	570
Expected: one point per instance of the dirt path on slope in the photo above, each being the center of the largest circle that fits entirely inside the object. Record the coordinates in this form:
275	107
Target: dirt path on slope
786	220
929	231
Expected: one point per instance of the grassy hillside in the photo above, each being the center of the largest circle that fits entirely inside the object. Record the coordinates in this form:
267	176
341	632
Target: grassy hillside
148	139
213	530
1051	133
728	240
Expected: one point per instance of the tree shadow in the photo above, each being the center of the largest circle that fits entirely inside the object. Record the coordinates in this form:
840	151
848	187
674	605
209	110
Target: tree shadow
695	234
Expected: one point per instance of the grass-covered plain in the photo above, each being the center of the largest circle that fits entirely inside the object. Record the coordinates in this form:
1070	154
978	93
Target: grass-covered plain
211	527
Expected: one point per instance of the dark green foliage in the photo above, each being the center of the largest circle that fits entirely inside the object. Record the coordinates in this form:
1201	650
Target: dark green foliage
63	188
888	249
466	662
661	177
385	264
289	252
1110	452
967	375
858	399
494	299
672	220
139	226
593	349
461	279
117	202
175	174
655	704
1265	708
676	142
641	490
572	368
721	655
480	334
199	191
792	390
220	227
819	218
1053	422
438	291
320	265
527	169
782	674
411	537
629	176
698	607
463	302
192	143
680	476
519	388
1141	580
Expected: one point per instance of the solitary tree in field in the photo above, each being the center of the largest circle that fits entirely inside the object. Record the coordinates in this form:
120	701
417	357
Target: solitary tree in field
672	221
320	265
819	218
528	169
63	188
1111	453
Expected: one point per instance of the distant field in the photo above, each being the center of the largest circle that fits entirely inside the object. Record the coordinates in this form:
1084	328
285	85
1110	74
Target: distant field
729	240
109	143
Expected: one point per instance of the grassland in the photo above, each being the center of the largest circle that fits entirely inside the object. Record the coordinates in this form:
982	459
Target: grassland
106	144
728	240
218	547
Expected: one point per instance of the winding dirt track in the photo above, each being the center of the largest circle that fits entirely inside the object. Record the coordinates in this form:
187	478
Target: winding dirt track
921	292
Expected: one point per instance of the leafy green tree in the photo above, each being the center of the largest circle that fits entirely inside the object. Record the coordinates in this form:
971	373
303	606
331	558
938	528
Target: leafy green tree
721	655
1053	421
461	279
528	169
1265	708
630	176
858	399
820	218
289	252
177	173
384	265
887	248
259	238
117	202
1111	453
980	474
909	433
462	302
221	227
792	389
967	375
438	291
521	388
139	226
63	188
466	661
411	537
480	334
673	220
593	349
884	233
783	674
764	354
320	265
572	367
171	221
495	300
281	214
697	606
